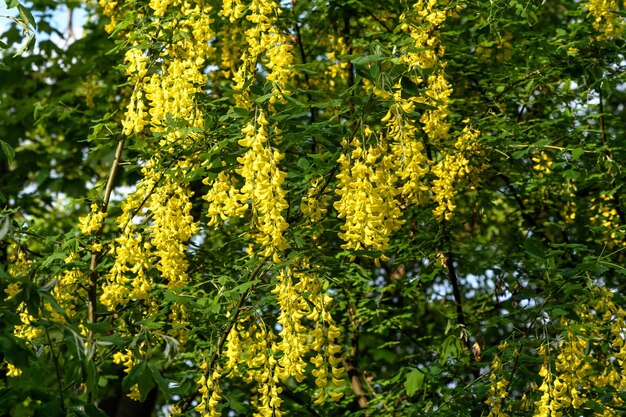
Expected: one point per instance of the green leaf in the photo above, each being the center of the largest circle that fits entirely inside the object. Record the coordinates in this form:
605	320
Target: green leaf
534	247
160	381
5	227
7	150
364	60
133	376
577	153
27	16
520	154
413	382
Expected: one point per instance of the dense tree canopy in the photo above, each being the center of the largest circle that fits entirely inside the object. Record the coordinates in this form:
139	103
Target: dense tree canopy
315	208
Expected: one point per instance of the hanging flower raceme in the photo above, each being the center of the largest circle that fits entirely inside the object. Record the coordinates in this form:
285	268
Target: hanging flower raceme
302	301
497	390
224	199
314	204
367	198
426	55
263	181
337	70
171	228
607	19
263	38
210	392
92	222
293	334
457	167
605	215
410	163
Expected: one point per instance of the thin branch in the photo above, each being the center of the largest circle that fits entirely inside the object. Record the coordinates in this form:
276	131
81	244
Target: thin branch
56	368
95	255
312	109
220	344
458	299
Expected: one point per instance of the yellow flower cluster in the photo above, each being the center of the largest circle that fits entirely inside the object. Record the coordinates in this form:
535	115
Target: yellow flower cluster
569	209
172	226
256	354
426	55
132	262
375	182
606	18
338	70
296	340
314	204
263	181
293	334
110	7
542	164
136	252
259	165
27	330
169	90
264	36
70	287
224	199
327	365
12	370
12	290
562	391
606	216
261	368
459	165
615	316
160	6
411	165
210	392
232	9
126	359
19	264
367	198
92	222
580	364
230	49
497	390
434	122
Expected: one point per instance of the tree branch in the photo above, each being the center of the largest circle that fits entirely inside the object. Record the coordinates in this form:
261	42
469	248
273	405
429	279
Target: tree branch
95	255
220	344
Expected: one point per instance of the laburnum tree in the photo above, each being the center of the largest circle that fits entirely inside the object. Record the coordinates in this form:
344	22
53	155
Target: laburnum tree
313	208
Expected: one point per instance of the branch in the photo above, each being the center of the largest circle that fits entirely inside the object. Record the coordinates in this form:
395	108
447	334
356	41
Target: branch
220	344
312	109
448	263
351	364
92	289
56	368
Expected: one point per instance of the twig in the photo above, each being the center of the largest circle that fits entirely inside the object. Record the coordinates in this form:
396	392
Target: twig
95	255
56	368
312	109
458	299
220	344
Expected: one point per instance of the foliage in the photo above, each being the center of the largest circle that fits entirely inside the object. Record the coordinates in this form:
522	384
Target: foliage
253	207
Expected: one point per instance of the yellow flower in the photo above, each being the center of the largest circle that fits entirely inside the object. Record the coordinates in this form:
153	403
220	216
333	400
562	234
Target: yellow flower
263	181
92	222
367	199
12	370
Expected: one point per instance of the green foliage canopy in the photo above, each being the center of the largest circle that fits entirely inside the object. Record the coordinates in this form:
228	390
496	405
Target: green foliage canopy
313	208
